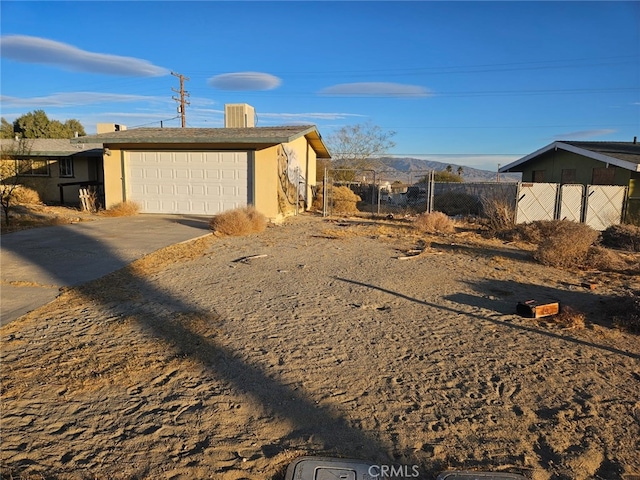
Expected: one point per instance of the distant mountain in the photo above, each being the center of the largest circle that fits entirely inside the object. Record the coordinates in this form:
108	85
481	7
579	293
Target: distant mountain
407	168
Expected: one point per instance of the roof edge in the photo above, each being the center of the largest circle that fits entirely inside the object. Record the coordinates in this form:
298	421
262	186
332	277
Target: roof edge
573	149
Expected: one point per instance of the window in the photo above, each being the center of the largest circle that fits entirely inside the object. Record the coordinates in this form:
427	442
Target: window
568	175
603	176
66	167
537	176
33	168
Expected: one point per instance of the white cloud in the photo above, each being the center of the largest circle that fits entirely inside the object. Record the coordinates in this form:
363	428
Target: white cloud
244	81
581	134
38	50
312	115
376	89
70	99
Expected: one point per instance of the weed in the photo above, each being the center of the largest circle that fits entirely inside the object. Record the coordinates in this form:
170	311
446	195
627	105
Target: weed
122	209
238	222
434	222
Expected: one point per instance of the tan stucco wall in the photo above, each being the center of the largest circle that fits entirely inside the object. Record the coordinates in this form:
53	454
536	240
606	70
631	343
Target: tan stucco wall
265	185
113	191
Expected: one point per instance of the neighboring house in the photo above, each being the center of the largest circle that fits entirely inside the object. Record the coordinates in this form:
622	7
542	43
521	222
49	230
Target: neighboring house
205	171
586	163
56	168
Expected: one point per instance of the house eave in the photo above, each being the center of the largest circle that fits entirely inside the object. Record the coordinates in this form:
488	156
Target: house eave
634	167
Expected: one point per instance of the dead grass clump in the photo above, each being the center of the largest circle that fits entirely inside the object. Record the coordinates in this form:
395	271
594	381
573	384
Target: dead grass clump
623	237
567	243
238	222
343	200
434	222
122	209
25	196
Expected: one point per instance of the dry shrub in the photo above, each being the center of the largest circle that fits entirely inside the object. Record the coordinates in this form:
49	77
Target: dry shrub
624	312
434	222
600	258
566	244
238	222
344	200
25	196
623	237
499	213
122	209
569	318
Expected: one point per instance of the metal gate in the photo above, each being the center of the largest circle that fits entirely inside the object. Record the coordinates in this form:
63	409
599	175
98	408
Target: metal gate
604	205
536	201
571	197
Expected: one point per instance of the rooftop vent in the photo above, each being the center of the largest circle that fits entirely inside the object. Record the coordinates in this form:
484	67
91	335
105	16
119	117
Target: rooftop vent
239	115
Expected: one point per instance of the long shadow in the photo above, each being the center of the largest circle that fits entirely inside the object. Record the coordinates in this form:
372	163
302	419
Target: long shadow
483	302
282	402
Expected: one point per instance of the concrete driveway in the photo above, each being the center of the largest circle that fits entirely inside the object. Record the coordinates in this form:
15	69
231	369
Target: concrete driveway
36	263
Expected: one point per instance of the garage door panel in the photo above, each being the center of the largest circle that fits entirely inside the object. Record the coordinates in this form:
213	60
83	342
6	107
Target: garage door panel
188	182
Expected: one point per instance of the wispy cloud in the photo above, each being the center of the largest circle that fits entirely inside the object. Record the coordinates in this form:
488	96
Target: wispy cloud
71	99
27	49
582	134
376	89
310	116
244	81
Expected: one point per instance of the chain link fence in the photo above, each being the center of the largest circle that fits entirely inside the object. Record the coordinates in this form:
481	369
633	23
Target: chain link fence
382	192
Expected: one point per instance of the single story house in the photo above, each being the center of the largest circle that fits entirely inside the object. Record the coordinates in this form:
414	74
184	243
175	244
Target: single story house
586	163
56	168
205	171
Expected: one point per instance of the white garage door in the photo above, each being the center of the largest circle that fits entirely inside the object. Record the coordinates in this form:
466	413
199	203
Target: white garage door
188	182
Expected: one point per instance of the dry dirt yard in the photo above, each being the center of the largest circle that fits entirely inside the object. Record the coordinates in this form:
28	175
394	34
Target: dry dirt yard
227	358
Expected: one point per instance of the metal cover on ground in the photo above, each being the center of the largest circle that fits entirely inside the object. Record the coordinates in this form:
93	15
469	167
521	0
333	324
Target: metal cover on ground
479	476
326	468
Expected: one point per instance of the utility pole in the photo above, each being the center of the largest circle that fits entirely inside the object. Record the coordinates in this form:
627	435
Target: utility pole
181	100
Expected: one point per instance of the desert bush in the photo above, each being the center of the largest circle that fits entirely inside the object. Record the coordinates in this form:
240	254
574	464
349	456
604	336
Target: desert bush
25	196
569	318
601	258
623	237
624	311
499	214
567	245
344	200
122	209
238	222
434	222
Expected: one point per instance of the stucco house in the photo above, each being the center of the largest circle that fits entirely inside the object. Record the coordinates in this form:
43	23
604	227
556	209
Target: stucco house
56	168
586	163
205	171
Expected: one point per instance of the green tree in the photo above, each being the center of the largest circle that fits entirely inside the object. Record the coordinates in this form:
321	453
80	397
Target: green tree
6	130
37	124
460	171
443	176
355	147
13	163
449	169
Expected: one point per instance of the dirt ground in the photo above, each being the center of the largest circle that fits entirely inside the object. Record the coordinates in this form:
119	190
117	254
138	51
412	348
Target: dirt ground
227	358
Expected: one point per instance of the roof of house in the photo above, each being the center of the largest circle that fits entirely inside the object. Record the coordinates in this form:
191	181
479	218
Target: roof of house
621	154
53	147
250	137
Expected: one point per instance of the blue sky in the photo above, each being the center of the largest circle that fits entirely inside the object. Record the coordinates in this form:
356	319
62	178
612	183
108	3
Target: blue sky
472	83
